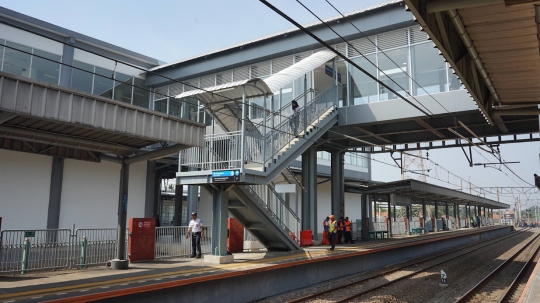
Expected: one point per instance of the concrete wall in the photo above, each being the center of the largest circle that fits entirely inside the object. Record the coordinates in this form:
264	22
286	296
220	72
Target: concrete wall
89	192
24	190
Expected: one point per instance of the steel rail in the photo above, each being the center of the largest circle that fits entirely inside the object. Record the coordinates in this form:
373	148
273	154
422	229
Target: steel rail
495	240
474	290
513	286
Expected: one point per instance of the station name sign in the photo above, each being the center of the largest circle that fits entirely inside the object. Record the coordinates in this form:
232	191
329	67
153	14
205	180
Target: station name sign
222	176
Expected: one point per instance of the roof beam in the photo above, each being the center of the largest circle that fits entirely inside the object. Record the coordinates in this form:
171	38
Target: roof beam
6	116
434	6
371	134
430	128
157	154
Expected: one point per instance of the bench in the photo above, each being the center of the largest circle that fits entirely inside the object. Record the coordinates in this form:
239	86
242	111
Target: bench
376	233
417	231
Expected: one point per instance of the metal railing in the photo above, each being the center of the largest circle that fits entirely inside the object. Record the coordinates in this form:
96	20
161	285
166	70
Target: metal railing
46	249
220	151
276	208
286	109
171	242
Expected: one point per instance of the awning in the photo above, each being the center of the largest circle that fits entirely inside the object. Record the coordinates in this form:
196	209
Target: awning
258	87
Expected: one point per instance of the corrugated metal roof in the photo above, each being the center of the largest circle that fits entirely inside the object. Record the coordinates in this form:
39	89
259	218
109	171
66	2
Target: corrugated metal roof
356	12
258	87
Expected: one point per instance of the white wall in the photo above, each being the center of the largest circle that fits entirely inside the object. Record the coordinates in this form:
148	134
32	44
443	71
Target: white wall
24	189
89	194
28	39
204	208
137	190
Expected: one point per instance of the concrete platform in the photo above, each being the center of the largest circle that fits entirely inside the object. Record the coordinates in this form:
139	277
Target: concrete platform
194	280
531	293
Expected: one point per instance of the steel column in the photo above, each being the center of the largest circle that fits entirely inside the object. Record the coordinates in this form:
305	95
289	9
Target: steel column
55	193
389	220
122	212
337	184
243	138
365	220
272	126
264	135
305	103
424	213
178	201
312	190
305	199
436	227
220	214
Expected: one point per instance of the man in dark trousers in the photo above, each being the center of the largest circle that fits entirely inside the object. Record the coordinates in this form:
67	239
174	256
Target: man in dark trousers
332	232
341	225
348	231
197	232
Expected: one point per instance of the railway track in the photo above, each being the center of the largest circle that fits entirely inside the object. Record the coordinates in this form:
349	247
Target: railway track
501	284
415	268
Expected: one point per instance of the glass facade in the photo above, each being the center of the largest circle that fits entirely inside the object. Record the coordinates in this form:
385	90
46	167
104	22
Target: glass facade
99	81
354	159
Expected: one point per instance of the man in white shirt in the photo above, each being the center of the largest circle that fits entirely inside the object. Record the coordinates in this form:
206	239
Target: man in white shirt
197	232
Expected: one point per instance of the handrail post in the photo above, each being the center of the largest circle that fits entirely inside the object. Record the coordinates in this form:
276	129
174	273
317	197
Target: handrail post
305	105
273	116
84	249
26	255
280	104
243	134
264	134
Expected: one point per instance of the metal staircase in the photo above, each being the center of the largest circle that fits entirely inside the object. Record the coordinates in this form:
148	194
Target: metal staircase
263	160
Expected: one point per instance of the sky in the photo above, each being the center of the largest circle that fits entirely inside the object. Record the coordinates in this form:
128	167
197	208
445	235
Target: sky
173	30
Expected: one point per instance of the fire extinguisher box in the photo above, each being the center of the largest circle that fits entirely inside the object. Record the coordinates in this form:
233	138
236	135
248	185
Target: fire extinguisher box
142	239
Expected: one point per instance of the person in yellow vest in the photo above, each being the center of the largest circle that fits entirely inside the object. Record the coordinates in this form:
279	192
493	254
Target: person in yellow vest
348	231
332	231
325	231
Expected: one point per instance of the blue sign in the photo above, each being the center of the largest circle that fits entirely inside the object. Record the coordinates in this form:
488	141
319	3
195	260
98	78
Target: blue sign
226	176
329	71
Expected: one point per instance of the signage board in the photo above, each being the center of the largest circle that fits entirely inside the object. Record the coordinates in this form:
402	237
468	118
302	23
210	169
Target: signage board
329	71
221	176
29	233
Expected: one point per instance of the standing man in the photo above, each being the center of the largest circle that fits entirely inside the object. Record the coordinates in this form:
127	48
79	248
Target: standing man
196	229
340	228
478	221
348	231
332	232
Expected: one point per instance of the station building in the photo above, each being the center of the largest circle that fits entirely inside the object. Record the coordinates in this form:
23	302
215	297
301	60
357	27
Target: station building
84	187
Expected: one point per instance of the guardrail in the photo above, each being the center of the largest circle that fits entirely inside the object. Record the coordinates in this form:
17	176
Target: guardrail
171	242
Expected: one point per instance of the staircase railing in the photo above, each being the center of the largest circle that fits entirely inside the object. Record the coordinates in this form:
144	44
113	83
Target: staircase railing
277	208
283	134
286	109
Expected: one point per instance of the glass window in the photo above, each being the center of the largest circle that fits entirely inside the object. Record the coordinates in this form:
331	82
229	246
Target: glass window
286	98
395	76
453	80
45	70
161	105
190	109
175	107
103	86
363	88
1	52
123	87
141	95
429	70
16	62
257	108
82	79
299	88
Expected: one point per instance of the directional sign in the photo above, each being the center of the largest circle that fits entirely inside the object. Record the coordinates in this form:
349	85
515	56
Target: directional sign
29	233
224	176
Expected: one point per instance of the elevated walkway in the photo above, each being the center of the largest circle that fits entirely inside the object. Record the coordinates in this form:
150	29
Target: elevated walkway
245	280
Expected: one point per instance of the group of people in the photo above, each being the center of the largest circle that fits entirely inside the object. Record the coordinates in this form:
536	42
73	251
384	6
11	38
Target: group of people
334	231
476	222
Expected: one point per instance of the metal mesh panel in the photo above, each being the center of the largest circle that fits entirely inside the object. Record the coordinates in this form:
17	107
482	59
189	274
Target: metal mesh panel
341	48
282	63
241	73
417	35
392	39
191	84
301	56
208	81
176	88
363	45
161	92
224	77
261	69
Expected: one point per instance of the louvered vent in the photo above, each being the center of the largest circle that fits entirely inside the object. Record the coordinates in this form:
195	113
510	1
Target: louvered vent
191	84
161	92
224	77
341	48
417	35
301	56
392	39
208	81
176	89
261	69
241	73
361	46
282	63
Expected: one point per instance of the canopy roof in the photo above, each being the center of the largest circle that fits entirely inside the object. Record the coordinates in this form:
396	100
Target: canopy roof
257	87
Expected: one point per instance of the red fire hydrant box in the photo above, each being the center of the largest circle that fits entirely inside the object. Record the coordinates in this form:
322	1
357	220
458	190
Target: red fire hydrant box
142	239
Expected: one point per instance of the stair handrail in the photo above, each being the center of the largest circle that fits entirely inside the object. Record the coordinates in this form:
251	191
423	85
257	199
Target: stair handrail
278	112
278	196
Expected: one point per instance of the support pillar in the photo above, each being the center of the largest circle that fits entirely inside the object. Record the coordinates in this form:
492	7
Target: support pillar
220	214
178	201
309	198
436	227
67	58
55	193
122	212
424	214
151	193
389	218
192	197
365	219
337	184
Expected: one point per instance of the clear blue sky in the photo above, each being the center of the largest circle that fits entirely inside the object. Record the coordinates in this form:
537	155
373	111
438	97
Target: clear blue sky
172	30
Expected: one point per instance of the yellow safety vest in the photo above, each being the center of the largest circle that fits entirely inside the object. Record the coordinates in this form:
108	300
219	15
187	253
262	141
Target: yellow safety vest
332	227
